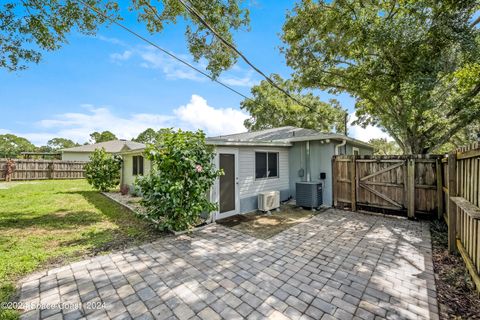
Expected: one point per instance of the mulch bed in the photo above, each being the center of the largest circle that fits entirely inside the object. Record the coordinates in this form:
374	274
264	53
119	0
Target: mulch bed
456	293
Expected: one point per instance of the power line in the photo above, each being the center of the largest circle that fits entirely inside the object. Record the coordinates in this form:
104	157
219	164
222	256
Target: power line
190	8
164	50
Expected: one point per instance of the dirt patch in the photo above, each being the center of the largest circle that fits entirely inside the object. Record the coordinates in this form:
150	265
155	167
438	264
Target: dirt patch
264	226
455	290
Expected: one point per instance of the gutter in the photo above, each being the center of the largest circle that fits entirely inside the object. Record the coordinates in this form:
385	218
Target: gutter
338	146
307	160
249	143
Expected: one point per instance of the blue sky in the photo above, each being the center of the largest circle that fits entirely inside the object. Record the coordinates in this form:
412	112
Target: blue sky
114	81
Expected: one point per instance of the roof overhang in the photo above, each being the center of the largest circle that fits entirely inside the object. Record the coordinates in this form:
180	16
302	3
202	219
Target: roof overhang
249	143
130	151
329	137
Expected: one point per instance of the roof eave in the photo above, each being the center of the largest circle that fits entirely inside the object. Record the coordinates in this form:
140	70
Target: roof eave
328	137
249	143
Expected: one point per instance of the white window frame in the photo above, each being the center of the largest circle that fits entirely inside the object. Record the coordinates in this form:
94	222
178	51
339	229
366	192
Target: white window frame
355	149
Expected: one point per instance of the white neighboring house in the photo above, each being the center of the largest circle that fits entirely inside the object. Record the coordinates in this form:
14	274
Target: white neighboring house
267	160
83	153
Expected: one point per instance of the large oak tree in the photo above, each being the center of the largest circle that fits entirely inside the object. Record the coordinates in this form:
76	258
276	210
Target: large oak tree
29	27
271	108
413	66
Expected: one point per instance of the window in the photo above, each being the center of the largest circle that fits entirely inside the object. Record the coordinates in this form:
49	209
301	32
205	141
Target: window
266	165
137	165
356	151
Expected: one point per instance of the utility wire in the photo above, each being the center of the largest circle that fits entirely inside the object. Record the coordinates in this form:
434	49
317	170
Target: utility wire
164	50
190	8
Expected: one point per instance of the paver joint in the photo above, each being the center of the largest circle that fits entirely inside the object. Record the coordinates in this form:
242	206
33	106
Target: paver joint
337	265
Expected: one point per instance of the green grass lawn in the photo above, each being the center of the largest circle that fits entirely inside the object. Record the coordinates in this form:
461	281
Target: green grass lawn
50	223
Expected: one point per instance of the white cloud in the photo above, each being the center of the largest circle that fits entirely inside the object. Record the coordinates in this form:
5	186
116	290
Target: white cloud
125	55
111	40
365	134
196	114
173	70
243	81
150	58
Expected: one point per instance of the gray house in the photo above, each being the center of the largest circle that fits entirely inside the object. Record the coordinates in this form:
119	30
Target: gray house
82	153
275	159
267	160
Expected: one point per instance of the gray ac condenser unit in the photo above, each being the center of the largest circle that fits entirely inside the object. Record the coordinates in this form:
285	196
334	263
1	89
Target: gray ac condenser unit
309	194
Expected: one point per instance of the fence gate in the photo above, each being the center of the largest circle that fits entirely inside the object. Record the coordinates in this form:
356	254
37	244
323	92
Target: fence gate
387	184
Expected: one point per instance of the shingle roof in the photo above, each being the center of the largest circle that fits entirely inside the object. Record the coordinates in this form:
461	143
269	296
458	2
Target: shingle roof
282	134
113	146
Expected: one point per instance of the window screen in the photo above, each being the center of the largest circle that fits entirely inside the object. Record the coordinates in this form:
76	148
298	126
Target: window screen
266	165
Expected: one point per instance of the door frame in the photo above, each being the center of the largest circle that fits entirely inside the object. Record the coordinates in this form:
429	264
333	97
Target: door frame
227	214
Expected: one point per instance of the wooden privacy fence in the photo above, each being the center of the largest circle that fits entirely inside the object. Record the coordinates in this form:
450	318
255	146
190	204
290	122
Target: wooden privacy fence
26	169
398	184
462	201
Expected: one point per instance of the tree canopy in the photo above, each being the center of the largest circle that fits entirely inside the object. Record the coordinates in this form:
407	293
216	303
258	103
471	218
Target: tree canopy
11	146
413	66
147	136
60	143
271	108
384	147
97	137
29	27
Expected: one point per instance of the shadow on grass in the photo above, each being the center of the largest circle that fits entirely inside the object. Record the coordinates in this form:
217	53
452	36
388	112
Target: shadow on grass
52	221
129	229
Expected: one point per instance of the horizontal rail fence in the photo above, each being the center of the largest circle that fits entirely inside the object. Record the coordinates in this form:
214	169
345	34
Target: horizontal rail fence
407	185
26	169
462	199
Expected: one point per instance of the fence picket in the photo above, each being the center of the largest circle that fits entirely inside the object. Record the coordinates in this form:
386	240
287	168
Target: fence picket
28	169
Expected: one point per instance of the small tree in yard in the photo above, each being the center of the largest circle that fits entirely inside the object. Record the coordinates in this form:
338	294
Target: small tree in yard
175	192
103	170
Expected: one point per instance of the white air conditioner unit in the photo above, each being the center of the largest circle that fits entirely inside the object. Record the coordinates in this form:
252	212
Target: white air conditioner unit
268	200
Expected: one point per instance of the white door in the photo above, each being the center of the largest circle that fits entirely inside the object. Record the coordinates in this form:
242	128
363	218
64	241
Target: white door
228	199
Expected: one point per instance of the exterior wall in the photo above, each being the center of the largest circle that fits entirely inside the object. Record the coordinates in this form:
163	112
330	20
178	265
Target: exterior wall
127	169
362	150
320	161
76	156
248	186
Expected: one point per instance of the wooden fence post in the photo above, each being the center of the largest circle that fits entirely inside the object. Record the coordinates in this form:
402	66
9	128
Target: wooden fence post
50	170
452	207
411	188
439	189
353	179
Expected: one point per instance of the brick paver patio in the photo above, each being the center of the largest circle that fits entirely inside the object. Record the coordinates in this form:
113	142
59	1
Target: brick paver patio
338	265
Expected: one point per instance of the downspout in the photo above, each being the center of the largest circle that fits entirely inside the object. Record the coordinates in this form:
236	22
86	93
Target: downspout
338	146
307	160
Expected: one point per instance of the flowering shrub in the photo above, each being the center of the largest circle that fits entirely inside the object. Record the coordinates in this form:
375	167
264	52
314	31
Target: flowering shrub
175	192
103	170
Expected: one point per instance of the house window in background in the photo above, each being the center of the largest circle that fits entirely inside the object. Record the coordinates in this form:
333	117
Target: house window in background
266	165
137	165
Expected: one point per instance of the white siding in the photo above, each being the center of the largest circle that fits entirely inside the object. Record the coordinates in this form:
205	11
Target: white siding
127	169
76	156
249	187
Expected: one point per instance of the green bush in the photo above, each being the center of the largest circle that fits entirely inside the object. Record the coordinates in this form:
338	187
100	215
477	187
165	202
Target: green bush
175	193
103	170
